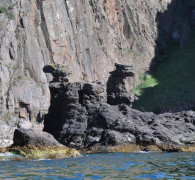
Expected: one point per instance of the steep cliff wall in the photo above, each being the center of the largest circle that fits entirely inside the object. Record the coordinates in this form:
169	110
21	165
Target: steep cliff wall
87	36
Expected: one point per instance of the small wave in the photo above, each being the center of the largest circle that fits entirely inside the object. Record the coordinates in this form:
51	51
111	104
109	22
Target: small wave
42	159
7	154
144	152
6	160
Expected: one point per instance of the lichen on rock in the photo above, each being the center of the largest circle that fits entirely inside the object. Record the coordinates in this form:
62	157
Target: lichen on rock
35	144
44	152
124	148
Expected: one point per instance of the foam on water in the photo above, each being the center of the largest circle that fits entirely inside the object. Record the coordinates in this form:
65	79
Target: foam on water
7	154
144	152
9	157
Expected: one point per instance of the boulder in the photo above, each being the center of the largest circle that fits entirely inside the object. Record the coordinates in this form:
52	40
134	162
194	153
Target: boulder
24	137
36	144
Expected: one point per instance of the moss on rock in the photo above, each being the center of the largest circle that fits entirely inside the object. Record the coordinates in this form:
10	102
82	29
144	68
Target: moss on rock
44	152
136	148
3	150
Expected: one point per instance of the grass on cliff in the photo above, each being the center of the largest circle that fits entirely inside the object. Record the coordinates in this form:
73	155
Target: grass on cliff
172	81
146	81
5	10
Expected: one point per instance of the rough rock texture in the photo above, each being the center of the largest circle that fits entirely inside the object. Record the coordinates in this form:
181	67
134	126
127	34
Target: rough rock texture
87	36
36	144
81	117
9	124
119	85
6	133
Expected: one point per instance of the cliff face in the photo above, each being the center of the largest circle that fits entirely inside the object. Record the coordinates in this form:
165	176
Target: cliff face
87	36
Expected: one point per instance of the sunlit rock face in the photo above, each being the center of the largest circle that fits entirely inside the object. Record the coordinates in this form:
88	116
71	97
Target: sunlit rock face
87	36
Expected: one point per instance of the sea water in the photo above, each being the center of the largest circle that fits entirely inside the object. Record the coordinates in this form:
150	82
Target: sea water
102	166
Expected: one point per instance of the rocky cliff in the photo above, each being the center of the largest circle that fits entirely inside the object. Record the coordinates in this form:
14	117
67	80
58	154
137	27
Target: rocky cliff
96	116
87	36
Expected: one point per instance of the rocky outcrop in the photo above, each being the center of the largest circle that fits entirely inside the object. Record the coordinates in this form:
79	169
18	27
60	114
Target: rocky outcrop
81	116
23	137
119	85
36	144
9	124
87	36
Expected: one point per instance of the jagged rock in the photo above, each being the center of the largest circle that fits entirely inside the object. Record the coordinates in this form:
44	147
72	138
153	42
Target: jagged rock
30	39
80	117
7	128
59	72
88	36
93	93
118	89
123	71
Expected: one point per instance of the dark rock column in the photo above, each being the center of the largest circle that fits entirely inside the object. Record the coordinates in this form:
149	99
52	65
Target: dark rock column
118	90
53	120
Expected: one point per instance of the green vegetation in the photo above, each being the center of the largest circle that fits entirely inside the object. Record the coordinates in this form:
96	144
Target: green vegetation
46	152
10	16
112	26
5	10
20	77
172	81
146	81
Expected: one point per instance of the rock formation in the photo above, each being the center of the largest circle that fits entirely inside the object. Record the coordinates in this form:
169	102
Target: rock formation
36	144
87	36
23	137
119	85
83	116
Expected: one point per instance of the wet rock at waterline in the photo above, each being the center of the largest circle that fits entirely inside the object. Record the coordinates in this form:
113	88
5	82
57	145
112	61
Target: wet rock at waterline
36	144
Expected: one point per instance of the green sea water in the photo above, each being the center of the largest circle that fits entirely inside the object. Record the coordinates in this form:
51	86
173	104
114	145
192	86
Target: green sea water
102	166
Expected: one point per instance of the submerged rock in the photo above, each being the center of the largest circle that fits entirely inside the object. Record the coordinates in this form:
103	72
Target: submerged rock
39	145
83	116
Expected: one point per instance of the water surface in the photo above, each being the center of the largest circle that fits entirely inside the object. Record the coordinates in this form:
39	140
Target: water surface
103	166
